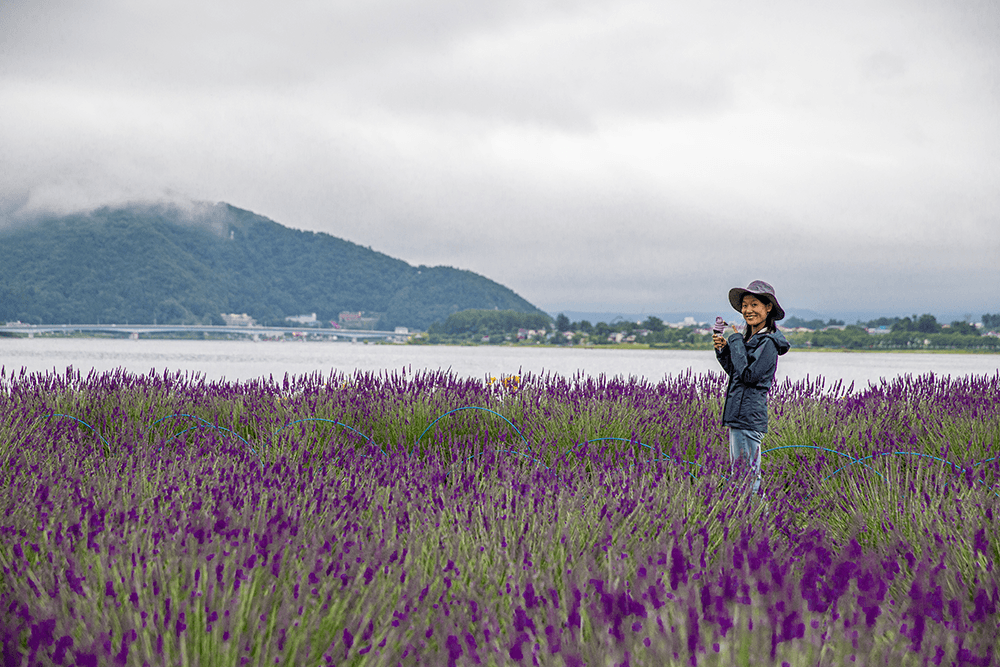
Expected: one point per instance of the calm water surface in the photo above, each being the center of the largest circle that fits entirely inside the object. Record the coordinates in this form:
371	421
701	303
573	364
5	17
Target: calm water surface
244	359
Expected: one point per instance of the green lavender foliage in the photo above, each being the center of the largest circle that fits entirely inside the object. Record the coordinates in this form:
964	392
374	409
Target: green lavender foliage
317	520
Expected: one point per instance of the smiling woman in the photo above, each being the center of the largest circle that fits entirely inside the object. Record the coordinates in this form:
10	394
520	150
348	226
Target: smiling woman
750	360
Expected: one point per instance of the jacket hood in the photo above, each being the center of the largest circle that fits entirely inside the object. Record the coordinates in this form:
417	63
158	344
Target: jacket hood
779	340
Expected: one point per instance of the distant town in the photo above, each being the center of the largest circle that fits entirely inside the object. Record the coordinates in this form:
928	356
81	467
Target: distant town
495	327
907	333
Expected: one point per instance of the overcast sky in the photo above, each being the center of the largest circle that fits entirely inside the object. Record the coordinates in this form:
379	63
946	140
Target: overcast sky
591	155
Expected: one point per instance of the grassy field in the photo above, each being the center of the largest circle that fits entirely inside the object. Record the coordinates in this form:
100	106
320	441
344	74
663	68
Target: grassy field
430	519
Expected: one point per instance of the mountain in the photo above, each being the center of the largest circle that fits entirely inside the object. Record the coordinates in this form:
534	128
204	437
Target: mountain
164	263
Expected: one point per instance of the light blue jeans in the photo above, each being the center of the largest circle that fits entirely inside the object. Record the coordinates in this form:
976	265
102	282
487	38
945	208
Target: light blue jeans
746	445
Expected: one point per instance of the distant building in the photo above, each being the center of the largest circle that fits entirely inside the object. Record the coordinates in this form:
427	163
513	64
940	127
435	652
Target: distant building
241	320
309	320
686	323
350	319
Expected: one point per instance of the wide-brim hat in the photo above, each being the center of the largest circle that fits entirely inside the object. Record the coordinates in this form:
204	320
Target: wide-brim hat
759	289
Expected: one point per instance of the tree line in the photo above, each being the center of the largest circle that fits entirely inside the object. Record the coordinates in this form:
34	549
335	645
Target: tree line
925	323
479	322
916	332
494	327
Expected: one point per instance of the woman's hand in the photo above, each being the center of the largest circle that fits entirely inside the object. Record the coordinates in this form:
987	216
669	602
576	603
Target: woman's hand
721	340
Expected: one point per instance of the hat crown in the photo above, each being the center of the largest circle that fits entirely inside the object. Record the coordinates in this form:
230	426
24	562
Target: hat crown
760	287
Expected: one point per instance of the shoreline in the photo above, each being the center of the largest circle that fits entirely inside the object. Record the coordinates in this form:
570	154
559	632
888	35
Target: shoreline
658	348
610	346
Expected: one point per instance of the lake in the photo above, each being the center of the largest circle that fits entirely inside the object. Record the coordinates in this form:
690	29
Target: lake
245	359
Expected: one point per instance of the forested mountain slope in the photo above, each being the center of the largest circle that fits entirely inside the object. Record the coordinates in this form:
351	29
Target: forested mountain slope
169	264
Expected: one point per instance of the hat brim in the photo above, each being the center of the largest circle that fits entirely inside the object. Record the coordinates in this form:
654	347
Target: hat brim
736	301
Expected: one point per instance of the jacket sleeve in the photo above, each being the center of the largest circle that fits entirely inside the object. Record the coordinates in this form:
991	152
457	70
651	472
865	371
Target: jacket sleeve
756	367
725	360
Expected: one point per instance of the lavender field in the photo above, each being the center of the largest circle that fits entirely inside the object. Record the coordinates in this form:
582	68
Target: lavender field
407	519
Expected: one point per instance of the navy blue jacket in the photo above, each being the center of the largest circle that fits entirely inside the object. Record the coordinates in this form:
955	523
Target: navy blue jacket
750	365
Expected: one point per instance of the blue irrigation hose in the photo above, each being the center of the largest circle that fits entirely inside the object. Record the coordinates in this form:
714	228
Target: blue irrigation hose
865	458
472	407
632	441
936	458
502	451
666	457
205	423
57	414
331	421
825	449
929	456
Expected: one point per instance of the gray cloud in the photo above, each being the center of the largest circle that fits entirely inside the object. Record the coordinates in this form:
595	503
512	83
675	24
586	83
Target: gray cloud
626	153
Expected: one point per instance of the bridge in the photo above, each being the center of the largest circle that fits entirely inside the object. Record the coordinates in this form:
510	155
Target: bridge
133	331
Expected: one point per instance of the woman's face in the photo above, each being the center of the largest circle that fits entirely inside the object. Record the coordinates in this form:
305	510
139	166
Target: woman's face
755	312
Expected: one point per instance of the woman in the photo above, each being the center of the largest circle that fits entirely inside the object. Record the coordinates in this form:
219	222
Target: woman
750	360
